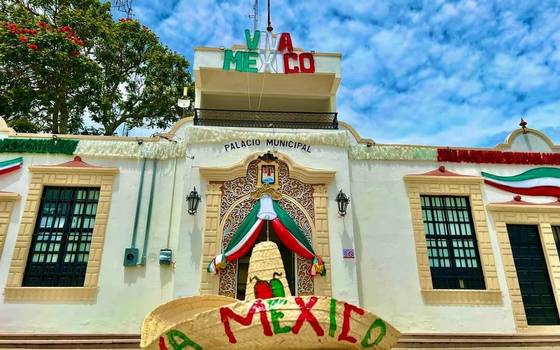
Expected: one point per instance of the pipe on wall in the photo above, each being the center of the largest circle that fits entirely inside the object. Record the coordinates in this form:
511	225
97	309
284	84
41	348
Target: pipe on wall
138	199
149	218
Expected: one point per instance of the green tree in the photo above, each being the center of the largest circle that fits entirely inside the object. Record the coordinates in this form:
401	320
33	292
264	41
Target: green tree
63	62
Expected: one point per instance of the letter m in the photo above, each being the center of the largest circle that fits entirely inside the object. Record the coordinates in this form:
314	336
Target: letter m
226	314
237	57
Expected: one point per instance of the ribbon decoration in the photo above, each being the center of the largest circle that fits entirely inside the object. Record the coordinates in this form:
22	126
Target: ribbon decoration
286	228
11	165
544	181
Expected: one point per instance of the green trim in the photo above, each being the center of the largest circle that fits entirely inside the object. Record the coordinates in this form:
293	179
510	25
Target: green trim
528	175
245	226
11	162
387	152
38	146
292	227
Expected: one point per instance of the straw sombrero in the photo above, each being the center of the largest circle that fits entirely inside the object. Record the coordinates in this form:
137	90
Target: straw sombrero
272	320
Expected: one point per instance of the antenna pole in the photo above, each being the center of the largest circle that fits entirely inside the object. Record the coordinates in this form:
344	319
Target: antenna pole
255	15
269	27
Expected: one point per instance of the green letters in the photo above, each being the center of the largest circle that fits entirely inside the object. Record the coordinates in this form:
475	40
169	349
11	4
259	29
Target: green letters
251	62
234	57
186	342
277	315
252	44
382	331
244	61
332	318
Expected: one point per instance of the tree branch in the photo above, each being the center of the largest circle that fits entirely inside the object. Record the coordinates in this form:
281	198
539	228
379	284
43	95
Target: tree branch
27	7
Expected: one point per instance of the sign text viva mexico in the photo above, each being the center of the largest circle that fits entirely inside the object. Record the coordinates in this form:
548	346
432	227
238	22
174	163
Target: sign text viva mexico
265	59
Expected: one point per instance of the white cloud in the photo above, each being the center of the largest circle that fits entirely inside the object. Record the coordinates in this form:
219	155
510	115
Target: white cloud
441	72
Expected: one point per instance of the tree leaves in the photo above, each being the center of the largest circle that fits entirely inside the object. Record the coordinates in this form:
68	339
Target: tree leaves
65	63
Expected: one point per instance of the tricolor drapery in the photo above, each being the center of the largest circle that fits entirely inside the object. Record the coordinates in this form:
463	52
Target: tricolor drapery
285	227
11	165
544	181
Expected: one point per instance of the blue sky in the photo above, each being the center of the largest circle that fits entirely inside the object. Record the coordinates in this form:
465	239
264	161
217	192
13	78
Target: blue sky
423	72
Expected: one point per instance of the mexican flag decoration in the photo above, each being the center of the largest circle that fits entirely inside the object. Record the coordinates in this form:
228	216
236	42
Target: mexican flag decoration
11	165
285	227
543	181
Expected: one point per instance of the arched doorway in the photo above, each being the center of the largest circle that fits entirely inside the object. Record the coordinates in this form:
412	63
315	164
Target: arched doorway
228	201
288	258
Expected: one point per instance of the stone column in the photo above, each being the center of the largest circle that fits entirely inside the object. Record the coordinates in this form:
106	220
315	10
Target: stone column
211	245
321	238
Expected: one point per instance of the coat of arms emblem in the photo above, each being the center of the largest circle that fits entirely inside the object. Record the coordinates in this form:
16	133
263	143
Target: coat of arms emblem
268	174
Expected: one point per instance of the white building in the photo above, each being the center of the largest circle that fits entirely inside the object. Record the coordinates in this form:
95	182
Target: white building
95	231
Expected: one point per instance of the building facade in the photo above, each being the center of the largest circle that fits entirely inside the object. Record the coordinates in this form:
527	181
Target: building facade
454	247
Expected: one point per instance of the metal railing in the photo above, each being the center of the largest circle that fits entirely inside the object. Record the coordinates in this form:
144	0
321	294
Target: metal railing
265	119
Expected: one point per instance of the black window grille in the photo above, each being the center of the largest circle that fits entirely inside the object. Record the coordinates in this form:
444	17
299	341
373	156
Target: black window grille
451	242
61	241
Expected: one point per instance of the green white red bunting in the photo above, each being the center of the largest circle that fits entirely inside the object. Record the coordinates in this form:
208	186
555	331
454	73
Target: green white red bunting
543	181
287	230
11	165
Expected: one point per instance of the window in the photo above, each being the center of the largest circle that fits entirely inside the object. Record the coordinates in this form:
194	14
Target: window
62	237
451	243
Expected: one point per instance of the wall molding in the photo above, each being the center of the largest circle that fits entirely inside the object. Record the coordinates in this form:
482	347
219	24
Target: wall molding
7	203
406	341
470	187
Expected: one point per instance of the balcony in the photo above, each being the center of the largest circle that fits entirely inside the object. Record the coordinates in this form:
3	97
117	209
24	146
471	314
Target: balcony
265	119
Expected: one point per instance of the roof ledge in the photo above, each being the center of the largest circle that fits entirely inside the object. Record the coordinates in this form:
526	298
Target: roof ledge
77	165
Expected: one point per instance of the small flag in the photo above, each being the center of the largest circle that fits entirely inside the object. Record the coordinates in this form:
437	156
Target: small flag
348	253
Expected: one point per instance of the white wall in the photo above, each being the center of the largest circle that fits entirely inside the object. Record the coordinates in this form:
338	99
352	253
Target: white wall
126	294
389	282
383	278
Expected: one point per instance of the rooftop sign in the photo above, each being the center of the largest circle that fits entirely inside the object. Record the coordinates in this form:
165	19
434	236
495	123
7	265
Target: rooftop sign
265	59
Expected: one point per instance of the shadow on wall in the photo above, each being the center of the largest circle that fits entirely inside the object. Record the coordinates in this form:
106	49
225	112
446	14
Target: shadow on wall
196	241
131	274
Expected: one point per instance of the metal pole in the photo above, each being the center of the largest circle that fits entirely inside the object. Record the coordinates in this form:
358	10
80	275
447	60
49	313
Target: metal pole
255	16
269	27
149	218
135	229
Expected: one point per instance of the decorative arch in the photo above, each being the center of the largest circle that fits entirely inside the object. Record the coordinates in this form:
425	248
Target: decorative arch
516	133
228	201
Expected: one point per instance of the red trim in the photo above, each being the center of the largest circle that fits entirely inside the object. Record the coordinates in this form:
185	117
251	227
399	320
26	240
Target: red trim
441	171
289	240
550	191
248	245
77	162
496	157
9	170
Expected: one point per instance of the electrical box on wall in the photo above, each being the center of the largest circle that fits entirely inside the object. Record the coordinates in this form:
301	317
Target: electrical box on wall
130	257
165	256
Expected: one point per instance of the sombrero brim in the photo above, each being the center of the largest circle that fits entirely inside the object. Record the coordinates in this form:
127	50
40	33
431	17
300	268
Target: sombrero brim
168	314
207	328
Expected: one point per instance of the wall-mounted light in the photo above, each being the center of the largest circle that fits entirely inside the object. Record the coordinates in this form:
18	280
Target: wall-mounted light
342	200
192	201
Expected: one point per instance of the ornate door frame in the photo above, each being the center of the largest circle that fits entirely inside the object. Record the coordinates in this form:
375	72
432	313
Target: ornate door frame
215	219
